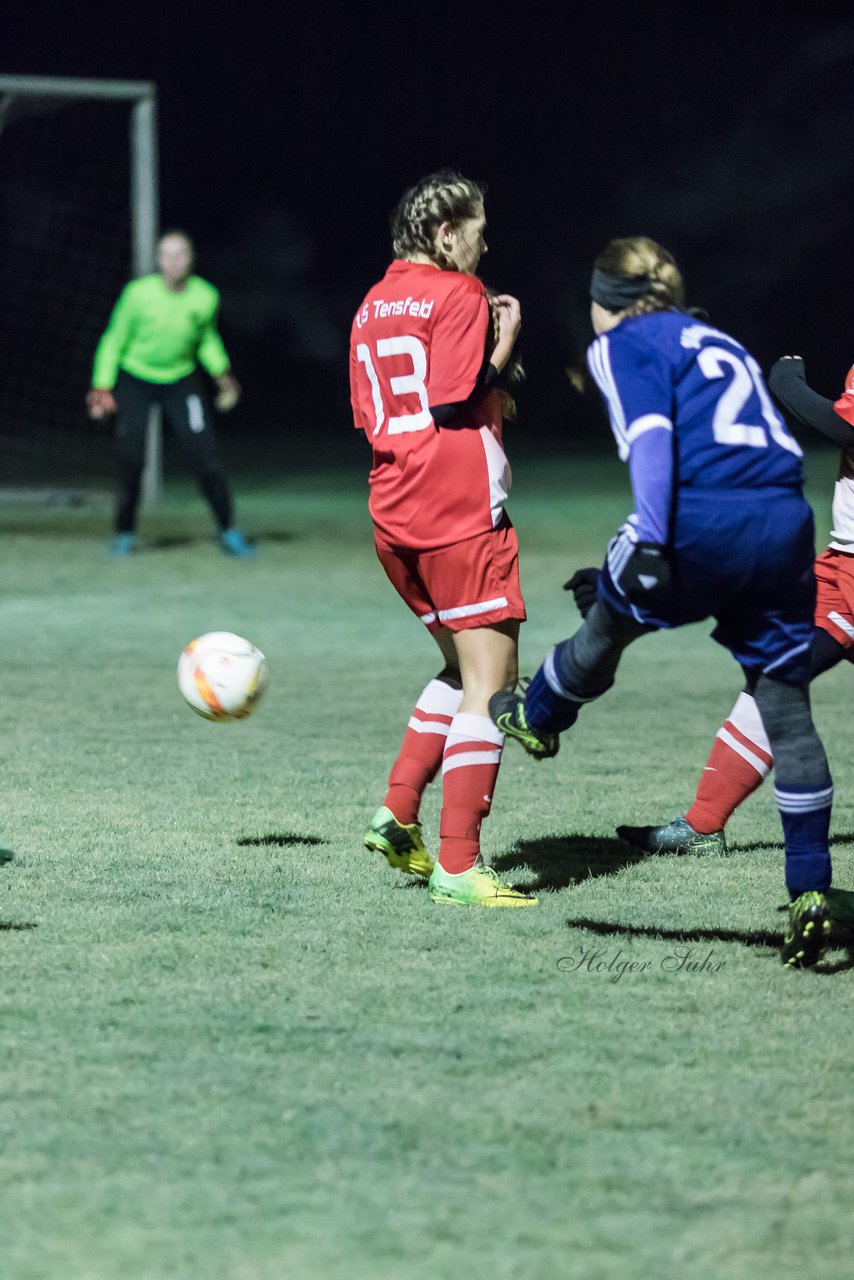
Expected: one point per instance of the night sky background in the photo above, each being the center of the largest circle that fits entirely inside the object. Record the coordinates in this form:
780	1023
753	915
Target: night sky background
287	134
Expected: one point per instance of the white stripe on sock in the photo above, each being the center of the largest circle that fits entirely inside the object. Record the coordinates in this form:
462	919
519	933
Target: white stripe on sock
746	754
460	759
746	718
468	727
803	802
429	726
439	698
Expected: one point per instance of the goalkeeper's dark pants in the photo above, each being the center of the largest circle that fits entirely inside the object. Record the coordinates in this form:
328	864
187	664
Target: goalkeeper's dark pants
187	413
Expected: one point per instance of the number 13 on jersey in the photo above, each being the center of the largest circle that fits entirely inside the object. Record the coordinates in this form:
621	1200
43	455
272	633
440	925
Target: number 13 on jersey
410	383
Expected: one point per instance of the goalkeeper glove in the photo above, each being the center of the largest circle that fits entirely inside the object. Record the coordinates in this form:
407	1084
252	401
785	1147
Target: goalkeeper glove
584	585
100	403
646	578
228	392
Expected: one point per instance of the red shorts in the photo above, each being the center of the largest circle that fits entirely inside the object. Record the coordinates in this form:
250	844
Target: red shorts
834	602
474	583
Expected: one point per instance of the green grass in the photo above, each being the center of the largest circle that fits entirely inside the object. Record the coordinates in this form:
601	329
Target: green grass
233	1045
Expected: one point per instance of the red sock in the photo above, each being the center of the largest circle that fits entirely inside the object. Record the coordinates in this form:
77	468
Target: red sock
739	762
421	753
469	770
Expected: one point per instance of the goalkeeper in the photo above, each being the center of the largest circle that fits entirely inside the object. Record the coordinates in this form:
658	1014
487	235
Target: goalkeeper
163	328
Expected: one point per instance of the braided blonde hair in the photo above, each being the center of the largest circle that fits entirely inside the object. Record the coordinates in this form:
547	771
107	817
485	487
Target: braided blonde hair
640	256
445	196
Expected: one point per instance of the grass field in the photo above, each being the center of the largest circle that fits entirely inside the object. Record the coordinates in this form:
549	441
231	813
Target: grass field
234	1046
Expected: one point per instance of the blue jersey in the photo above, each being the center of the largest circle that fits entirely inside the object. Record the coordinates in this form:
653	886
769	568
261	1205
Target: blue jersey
717	479
690	410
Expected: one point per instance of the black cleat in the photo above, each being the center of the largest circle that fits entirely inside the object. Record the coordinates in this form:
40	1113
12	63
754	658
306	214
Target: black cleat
677	836
508	713
809	931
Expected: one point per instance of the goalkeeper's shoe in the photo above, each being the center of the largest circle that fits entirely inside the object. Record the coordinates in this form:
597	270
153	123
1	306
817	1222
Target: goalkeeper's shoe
478	887
507	710
401	845
677	836
121	544
233	543
809	929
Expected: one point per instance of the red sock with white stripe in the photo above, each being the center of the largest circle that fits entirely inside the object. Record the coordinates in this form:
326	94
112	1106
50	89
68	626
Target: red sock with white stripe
469	770
740	761
421	752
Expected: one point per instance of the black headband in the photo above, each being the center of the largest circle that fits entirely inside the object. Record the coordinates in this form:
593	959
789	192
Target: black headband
615	293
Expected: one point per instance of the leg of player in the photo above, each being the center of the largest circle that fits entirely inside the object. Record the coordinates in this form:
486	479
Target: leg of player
739	762
214	486
188	413
488	658
130	483
804	793
134	399
577	671
394	830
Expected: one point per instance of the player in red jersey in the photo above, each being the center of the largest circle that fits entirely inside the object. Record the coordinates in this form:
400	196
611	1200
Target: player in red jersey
741	757
426	348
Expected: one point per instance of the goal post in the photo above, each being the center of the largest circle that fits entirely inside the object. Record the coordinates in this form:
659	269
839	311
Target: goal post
144	212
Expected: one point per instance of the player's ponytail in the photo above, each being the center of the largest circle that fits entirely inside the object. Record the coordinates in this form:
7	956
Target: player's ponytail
636	276
440	197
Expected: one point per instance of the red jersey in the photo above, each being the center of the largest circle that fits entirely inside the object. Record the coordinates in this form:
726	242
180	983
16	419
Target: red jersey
419	338
844	406
842	534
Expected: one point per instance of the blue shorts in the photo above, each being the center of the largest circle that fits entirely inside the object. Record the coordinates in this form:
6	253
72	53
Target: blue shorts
744	557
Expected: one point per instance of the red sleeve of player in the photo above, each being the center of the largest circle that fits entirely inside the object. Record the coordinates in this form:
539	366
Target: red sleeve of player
844	406
458	345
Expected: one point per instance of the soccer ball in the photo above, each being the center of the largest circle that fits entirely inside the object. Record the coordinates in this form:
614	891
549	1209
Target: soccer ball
222	676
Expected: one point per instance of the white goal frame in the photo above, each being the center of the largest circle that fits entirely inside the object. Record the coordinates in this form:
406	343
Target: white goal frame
144	193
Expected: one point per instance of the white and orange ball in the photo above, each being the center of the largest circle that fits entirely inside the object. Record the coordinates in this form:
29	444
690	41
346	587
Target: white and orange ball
222	676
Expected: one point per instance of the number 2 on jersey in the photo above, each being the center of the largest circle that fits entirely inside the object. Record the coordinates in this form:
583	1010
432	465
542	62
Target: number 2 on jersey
401	384
746	378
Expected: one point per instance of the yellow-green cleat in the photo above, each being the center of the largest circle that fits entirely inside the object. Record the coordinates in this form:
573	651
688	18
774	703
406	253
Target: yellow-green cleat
402	846
479	887
809	929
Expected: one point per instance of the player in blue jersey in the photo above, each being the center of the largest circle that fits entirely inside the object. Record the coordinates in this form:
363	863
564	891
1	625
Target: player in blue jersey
720	529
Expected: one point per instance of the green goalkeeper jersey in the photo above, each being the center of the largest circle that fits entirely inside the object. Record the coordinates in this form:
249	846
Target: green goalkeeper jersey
161	334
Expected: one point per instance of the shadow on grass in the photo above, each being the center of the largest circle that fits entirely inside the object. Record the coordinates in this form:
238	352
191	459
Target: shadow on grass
754	938
283	840
274	535
13	926
560	861
174	541
841	837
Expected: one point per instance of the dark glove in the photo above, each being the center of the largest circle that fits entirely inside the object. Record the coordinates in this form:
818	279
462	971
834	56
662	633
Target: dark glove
646	577
584	585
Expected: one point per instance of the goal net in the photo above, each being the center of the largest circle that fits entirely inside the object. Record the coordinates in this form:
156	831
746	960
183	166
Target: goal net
70	238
